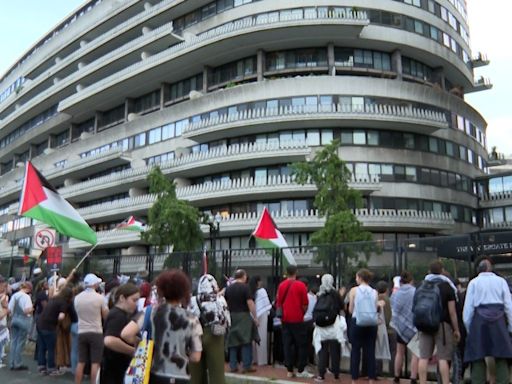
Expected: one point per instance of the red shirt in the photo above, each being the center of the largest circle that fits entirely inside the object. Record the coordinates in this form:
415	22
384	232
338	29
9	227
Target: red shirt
295	301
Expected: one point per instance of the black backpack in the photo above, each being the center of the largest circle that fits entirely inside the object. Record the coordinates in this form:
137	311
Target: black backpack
326	309
427	307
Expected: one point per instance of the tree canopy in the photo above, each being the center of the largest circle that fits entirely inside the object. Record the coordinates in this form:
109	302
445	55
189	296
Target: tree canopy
171	221
335	199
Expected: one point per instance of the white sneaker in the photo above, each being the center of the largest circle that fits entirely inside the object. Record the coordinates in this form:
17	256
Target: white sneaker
305	374
290	374
2	365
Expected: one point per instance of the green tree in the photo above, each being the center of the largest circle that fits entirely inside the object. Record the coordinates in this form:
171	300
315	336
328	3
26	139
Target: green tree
172	222
335	200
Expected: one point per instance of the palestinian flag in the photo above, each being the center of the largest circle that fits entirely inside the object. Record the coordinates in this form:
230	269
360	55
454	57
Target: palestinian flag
132	224
268	236
41	201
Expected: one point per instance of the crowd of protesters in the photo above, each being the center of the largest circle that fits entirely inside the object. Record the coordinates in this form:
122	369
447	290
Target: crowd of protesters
91	328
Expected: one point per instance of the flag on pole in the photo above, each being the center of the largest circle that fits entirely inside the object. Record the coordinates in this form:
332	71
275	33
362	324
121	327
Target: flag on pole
132	224
41	201
268	236
205	262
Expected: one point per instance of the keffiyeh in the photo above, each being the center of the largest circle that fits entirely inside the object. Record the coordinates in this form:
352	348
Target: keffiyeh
213	308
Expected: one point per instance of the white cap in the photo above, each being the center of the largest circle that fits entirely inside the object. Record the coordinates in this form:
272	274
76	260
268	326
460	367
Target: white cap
91	279
36	271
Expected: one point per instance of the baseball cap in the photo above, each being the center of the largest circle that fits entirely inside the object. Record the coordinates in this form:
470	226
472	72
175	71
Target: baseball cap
91	279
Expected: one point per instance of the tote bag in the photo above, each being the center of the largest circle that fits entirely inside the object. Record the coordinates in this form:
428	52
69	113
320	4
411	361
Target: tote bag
139	370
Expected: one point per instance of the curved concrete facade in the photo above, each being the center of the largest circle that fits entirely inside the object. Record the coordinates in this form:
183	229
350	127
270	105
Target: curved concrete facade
224	96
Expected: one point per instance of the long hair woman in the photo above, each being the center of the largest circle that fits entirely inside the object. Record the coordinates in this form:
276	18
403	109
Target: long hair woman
118	353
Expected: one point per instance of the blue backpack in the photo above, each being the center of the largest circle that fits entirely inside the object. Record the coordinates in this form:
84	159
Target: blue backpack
365	308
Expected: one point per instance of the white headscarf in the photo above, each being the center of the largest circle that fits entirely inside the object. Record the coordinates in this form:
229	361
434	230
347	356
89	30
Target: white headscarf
327	284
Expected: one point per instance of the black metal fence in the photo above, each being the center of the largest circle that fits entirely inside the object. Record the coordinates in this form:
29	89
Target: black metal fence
386	258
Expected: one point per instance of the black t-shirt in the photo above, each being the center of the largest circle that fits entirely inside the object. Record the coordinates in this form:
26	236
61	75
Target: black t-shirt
41	297
236	296
447	294
49	318
115	364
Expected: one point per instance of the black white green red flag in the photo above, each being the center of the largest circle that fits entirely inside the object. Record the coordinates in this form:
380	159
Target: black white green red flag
132	224
268	236
41	201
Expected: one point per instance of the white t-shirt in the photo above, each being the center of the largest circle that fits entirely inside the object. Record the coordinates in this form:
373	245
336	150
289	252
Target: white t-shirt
311	305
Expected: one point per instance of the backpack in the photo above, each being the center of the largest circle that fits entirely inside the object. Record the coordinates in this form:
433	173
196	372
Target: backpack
326	310
365	308
427	307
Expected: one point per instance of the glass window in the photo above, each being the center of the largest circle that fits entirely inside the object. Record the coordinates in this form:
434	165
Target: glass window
359	137
168	131
373	138
361	169
155	135
313	137
347	137
450	151
386	172
410	174
374	169
139	140
260	176
327	136
409	140
433	145
299	136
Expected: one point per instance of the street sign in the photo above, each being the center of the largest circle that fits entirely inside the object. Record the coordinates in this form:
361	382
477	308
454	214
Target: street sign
44	238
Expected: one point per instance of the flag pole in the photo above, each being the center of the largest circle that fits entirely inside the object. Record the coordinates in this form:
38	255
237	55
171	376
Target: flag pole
93	248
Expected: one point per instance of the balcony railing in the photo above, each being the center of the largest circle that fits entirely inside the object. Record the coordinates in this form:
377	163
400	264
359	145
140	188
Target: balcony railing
344	111
506	195
357	18
198	159
109	238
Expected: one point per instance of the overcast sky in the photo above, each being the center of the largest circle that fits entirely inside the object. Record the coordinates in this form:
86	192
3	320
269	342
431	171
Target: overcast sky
22	22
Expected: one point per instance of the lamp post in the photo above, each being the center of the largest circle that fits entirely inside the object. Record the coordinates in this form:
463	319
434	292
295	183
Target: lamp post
214	224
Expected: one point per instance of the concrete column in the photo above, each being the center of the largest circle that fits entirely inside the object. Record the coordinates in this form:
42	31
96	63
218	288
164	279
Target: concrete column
260	64
134	192
68	182
207	73
396	63
162	94
330	60
181	182
97	118
128	107
439	78
50	141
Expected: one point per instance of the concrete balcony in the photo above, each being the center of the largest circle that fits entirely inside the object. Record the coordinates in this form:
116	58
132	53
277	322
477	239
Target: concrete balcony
244	32
121	57
195	164
255	121
480	60
118	238
405	219
81	167
498	199
275	187
502	225
482	84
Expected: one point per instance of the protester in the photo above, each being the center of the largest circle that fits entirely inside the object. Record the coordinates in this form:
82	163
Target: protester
292	298
173	328
145	296
488	320
21	309
4	312
263	306
386	340
91	309
328	335
308	319
212	311
363	330
117	353
243	318
435	299
402	323
53	313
